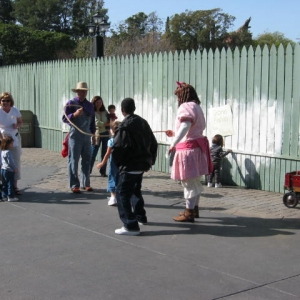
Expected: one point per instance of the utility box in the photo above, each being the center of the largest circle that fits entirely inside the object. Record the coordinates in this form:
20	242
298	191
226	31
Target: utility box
27	130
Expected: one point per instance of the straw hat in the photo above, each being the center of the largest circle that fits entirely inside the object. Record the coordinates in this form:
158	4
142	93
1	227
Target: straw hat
81	86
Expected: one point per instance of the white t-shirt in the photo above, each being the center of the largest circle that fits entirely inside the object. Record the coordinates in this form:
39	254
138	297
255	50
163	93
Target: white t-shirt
6	123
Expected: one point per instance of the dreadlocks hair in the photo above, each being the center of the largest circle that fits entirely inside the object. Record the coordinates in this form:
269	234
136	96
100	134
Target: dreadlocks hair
186	93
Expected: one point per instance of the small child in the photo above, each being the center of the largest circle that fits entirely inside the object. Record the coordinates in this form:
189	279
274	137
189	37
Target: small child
217	153
113	173
111	113
8	169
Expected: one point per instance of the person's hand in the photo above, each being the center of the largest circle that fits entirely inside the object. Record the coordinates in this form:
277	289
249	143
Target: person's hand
93	140
99	166
170	133
15	126
16	170
78	112
229	151
172	149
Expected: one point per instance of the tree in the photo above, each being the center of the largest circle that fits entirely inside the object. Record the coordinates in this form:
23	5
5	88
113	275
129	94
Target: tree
193	30
241	37
139	33
6	10
66	16
276	38
23	45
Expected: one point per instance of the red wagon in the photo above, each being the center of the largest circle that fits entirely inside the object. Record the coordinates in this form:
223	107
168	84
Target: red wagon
292	184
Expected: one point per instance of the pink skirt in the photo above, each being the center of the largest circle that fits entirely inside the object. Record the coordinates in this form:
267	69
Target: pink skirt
189	163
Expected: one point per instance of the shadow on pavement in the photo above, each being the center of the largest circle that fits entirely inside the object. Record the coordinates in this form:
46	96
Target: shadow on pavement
228	227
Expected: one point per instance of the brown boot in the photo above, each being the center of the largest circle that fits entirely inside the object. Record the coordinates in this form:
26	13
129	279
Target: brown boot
196	212
188	216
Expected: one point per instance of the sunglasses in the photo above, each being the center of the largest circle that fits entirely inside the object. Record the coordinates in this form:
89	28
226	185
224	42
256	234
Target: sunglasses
5	100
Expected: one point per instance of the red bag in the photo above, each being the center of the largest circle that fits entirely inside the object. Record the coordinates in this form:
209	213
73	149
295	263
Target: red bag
65	149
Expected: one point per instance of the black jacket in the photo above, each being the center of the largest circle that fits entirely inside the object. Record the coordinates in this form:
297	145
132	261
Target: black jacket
217	153
135	147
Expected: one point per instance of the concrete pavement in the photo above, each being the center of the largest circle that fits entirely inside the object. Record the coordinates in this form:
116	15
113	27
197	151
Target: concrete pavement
58	245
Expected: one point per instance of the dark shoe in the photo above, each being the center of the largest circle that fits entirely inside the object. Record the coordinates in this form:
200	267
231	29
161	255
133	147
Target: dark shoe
188	216
17	191
143	221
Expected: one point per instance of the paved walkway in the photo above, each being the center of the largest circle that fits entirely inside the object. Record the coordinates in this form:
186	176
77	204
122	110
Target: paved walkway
56	245
231	200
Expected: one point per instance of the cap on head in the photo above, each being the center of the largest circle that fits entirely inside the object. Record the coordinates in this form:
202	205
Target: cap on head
128	106
81	86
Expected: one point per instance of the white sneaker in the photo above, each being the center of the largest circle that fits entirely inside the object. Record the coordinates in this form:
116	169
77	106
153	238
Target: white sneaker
218	185
209	184
112	201
12	199
125	231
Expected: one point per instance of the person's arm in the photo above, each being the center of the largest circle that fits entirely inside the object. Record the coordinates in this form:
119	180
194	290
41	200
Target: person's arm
71	111
19	123
180	134
105	158
224	153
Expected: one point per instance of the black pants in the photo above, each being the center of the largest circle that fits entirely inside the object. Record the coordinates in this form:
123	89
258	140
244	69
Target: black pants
216	173
130	200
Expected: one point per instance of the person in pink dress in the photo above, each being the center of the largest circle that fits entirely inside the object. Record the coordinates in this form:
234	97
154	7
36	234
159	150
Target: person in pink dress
192	157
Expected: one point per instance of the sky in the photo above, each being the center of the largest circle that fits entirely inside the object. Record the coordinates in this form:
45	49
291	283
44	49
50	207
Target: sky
266	15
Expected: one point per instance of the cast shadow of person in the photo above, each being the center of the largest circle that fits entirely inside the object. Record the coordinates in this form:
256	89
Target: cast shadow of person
252	178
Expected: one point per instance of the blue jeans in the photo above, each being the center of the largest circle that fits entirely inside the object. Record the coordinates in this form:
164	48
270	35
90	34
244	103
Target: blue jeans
8	182
131	209
95	149
79	147
113	176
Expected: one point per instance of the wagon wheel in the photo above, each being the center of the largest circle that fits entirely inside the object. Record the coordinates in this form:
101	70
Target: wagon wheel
290	199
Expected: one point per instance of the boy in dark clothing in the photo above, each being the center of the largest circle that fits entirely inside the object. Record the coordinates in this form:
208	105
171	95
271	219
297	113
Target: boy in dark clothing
217	153
134	152
111	113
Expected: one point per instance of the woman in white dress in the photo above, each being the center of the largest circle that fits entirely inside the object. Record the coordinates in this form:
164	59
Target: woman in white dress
10	122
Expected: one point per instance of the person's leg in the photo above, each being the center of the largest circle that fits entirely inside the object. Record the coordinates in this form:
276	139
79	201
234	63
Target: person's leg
10	185
217	169
16	153
74	155
113	175
124	191
104	141
137	201
94	152
85	163
4	184
192	189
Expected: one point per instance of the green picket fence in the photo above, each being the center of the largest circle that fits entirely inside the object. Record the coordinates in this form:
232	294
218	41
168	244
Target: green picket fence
260	86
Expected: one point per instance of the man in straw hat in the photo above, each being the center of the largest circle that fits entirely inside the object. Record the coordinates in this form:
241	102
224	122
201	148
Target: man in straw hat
80	115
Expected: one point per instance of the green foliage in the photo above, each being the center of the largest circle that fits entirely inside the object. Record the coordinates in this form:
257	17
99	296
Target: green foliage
22	45
83	48
276	38
6	10
139	33
70	17
193	30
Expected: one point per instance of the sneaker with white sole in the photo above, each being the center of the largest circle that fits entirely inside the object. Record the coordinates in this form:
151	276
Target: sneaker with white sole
209	184
112	201
12	199
218	185
125	231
